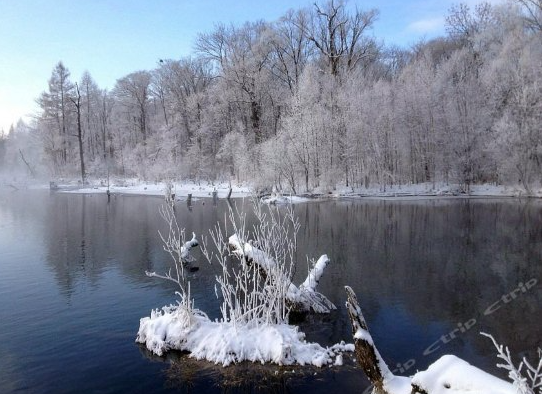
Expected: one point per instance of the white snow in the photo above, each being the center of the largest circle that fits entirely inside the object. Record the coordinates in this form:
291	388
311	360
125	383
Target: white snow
224	343
205	189
450	374
316	273
430	189
252	253
397	384
280	199
363	335
181	189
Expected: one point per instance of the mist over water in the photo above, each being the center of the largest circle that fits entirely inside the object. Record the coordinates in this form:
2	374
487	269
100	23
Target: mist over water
429	275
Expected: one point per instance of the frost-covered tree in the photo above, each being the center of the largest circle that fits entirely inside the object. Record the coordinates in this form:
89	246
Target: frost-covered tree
311	101
515	80
133	95
240	56
419	131
466	119
56	121
91	100
77	104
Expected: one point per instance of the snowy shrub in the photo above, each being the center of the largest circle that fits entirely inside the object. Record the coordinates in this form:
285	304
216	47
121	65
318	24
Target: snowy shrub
179	250
256	294
529	384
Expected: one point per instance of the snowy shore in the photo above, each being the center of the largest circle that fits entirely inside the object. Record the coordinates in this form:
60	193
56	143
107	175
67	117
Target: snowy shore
158	188
434	190
206	189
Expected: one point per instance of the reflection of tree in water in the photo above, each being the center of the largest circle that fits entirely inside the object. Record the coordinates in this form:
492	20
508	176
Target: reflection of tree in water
440	262
85	236
419	267
199	376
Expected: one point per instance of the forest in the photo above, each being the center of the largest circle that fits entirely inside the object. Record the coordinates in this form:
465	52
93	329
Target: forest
310	101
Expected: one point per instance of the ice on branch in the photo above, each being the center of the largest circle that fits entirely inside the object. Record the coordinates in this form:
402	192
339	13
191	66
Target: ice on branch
177	247
524	384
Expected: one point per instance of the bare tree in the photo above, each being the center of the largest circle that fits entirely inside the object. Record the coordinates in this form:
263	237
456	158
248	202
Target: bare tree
464	24
533	11
291	47
341	37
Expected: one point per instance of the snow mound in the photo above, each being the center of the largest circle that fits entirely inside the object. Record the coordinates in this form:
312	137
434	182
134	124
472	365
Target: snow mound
177	328
452	374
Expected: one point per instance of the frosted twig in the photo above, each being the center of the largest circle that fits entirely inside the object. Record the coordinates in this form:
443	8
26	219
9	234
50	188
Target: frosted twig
524	384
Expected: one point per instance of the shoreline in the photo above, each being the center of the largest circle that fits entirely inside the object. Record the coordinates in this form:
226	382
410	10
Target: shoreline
183	189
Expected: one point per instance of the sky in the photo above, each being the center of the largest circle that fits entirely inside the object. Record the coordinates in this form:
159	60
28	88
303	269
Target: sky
112	38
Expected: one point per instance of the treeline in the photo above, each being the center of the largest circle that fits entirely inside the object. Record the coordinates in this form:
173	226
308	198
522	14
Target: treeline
310	100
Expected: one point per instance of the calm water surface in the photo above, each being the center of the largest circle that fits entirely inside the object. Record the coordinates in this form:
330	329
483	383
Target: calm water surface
73	288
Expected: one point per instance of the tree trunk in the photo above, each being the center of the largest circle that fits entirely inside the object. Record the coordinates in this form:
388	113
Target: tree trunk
255	114
80	138
77	104
367	354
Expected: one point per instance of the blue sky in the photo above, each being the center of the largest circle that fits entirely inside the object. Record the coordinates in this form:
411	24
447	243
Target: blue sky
111	38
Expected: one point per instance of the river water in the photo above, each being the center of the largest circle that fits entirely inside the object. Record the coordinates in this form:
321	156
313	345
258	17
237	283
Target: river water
430	274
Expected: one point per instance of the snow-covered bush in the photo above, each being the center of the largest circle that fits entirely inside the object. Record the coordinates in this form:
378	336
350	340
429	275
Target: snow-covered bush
256	293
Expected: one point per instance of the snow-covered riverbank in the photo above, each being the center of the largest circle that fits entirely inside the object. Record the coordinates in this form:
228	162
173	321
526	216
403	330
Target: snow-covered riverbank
206	189
180	189
434	190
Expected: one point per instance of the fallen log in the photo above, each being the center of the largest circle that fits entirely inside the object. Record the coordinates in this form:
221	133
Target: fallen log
304	298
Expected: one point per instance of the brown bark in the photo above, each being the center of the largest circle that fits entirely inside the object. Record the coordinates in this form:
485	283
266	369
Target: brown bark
368	357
